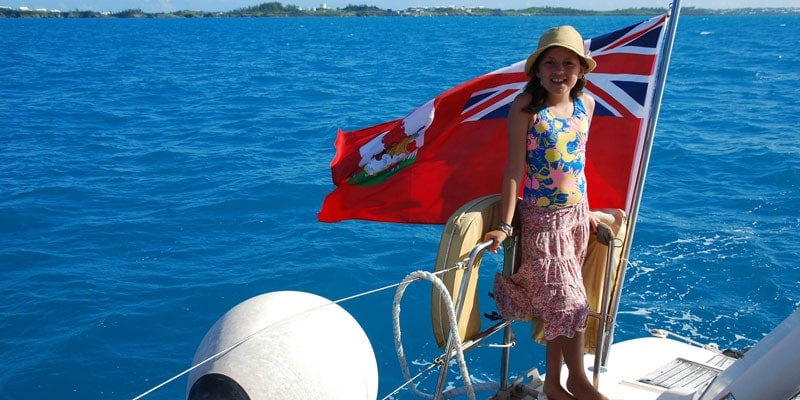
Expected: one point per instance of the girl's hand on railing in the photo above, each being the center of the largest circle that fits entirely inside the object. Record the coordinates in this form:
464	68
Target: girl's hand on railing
497	237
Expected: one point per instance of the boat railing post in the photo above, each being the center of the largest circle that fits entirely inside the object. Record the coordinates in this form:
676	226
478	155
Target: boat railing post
508	339
603	318
473	255
510	247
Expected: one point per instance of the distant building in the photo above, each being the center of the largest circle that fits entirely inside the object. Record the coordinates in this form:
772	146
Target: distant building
324	6
23	8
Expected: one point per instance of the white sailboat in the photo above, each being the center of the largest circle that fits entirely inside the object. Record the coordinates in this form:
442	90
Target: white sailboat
298	345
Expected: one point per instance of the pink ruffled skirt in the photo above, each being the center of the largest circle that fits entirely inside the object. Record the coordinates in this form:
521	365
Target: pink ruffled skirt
548	284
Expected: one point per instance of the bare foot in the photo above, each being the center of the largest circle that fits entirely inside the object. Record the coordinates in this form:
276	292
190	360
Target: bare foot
554	391
583	390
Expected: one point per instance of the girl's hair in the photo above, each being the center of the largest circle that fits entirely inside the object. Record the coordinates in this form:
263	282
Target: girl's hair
539	94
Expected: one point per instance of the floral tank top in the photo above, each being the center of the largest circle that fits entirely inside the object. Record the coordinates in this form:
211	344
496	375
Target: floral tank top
556	156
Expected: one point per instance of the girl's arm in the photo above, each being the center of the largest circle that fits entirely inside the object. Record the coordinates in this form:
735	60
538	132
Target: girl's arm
518	122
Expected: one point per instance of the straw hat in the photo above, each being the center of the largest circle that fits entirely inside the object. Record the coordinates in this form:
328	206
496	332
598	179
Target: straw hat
563	36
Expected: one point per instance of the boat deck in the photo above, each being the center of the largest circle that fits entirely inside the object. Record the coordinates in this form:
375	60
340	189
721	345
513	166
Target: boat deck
686	373
661	364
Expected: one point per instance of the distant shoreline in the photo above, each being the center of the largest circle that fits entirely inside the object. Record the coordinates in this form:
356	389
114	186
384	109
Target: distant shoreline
276	9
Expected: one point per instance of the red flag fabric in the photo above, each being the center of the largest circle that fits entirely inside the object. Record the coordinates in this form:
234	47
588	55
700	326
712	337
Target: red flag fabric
452	149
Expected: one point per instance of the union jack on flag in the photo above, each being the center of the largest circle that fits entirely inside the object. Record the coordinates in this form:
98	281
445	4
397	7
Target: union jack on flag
626	59
452	149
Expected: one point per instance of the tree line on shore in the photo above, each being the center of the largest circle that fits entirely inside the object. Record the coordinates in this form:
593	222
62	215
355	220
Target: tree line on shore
276	9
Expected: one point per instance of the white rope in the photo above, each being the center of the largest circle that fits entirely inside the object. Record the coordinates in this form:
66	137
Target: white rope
451	316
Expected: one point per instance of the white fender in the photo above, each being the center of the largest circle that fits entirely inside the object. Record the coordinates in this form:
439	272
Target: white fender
311	349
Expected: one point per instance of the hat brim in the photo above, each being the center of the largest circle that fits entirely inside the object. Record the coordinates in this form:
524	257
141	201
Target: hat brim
591	64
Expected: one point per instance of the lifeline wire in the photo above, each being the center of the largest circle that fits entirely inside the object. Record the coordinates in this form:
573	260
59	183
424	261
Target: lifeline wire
250	336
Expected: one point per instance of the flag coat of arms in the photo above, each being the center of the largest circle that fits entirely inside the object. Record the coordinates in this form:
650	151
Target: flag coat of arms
453	148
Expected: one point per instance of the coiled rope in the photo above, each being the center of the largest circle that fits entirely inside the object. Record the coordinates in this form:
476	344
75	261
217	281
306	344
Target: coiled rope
451	317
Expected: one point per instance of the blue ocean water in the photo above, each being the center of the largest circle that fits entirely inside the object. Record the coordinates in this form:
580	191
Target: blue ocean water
155	173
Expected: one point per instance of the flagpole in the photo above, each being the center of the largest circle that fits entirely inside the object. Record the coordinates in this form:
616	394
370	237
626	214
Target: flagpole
658	93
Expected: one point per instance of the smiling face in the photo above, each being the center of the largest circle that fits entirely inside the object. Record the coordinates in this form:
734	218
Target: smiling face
559	69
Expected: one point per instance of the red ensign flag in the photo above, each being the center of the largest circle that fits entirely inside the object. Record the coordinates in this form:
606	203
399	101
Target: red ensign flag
452	149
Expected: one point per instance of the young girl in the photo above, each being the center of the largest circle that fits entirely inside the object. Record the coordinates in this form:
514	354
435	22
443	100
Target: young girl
548	127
